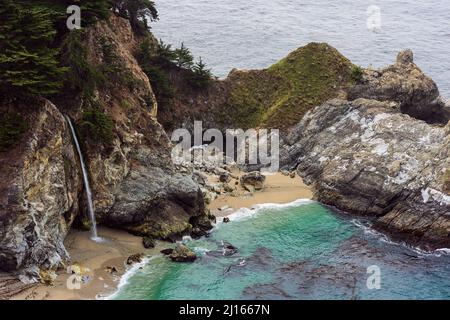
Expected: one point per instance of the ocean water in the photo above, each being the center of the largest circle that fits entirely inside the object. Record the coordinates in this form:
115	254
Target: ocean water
257	33
297	251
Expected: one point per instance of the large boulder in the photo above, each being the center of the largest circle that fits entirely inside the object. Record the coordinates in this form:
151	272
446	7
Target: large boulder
40	187
253	181
366	157
182	253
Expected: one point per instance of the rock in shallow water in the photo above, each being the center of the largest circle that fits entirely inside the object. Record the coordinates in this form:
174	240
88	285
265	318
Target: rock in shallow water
135	258
182	253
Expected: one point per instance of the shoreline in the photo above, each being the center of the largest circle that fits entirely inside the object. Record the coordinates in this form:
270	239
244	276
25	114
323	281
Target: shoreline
96	259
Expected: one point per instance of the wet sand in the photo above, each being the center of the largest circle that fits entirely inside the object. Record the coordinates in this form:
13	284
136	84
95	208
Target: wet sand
94	258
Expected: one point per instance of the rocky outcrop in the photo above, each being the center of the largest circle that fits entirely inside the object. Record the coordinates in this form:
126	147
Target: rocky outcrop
39	190
366	157
405	83
182	253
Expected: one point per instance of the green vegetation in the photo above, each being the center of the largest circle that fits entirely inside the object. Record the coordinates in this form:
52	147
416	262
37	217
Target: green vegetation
138	12
184	58
165	54
30	37
160	82
278	97
38	54
12	127
28	63
357	73
113	67
164	66
201	77
81	76
96	125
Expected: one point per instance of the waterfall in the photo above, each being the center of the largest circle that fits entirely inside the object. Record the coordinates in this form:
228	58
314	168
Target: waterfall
86	181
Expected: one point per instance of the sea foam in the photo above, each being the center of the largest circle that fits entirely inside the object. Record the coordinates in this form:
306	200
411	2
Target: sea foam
247	213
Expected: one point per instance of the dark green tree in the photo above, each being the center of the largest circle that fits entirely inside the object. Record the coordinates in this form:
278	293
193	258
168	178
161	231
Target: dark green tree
139	12
201	76
28	63
184	57
165	52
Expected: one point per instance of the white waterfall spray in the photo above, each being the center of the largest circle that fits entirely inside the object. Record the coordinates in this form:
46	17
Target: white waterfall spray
86	182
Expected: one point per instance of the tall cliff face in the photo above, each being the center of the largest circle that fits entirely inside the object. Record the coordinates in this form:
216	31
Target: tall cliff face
39	189
135	185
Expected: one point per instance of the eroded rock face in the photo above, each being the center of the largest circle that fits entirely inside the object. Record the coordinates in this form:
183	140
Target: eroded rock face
405	83
136	186
366	157
39	189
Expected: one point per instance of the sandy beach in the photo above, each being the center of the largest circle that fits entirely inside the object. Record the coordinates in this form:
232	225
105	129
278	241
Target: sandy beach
96	259
278	189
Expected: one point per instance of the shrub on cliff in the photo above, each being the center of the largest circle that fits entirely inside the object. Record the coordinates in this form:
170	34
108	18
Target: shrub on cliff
81	75
184	58
357	73
96	125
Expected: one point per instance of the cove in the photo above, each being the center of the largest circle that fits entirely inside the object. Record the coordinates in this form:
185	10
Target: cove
303	251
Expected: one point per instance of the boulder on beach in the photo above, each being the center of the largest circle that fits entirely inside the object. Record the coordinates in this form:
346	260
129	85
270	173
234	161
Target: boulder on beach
225	177
148	242
135	258
253	181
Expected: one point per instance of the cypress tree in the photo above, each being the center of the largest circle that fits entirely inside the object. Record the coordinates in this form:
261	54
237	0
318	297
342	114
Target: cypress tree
28	63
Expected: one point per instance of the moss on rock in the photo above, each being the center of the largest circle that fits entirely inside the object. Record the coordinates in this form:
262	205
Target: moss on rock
279	96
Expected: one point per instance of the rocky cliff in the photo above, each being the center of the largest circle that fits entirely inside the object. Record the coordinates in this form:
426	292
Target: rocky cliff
40	188
372	142
370	154
135	185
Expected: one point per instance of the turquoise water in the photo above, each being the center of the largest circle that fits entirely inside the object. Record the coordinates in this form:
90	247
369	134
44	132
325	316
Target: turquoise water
301	251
